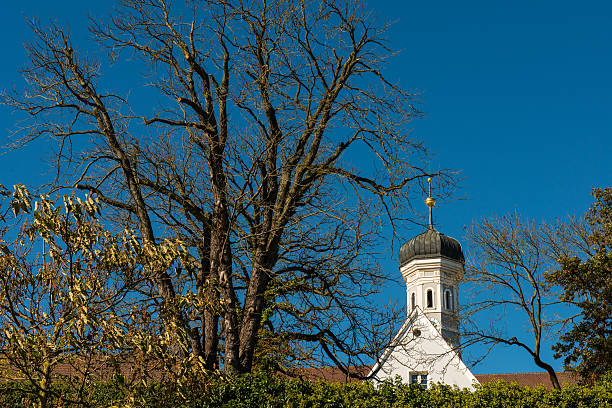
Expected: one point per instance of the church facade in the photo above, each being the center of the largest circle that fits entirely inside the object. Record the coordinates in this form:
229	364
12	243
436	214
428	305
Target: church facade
427	347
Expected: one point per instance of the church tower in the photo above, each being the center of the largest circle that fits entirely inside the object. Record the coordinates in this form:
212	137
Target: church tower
432	266
425	350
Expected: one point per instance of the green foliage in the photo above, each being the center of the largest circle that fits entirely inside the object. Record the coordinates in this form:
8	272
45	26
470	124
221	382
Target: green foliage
587	346
70	310
267	391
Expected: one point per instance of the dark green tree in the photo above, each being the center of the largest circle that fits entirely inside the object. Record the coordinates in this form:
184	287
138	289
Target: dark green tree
587	284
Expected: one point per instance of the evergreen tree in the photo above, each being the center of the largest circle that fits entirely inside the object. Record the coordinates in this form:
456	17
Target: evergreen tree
587	283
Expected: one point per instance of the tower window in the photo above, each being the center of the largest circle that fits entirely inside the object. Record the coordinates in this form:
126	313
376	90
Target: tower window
430	302
448	300
413	300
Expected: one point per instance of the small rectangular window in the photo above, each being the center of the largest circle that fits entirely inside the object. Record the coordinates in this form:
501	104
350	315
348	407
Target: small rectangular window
420	379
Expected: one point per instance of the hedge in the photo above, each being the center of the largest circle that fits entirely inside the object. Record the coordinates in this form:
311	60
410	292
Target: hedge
268	391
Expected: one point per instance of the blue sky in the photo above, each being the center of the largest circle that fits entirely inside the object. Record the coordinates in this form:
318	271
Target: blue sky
517	97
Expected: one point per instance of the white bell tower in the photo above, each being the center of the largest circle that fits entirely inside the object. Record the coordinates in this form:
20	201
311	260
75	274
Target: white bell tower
425	350
432	266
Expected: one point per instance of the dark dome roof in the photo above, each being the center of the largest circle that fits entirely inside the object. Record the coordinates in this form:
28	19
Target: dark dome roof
431	244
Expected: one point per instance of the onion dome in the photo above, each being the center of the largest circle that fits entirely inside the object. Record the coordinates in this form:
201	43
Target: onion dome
431	244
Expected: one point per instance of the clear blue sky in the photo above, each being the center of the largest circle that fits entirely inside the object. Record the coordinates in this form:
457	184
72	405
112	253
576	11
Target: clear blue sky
517	96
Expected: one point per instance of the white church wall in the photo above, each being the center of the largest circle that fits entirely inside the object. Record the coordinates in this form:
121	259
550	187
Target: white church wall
419	349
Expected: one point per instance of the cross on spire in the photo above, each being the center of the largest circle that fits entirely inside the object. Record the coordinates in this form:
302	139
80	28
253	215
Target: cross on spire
430	202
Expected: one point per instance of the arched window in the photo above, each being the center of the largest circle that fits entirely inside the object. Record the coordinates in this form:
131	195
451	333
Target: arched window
448	299
413	300
430	302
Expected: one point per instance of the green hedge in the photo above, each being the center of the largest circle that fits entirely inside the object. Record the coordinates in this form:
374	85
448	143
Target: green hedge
266	391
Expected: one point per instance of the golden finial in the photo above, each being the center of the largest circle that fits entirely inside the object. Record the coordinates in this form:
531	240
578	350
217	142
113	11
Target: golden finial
430	202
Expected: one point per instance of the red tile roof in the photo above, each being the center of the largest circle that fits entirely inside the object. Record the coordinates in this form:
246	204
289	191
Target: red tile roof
333	374
103	368
530	379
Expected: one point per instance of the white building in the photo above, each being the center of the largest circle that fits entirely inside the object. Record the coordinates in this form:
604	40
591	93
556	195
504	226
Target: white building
426	348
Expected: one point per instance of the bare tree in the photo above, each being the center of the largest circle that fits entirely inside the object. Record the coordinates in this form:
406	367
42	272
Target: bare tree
246	160
508	271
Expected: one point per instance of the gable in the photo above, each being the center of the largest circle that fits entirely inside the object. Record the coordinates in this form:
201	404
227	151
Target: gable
419	348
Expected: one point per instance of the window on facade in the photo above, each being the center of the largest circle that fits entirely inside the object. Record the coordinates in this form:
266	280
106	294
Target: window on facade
448	300
430	298
424	381
420	379
413	300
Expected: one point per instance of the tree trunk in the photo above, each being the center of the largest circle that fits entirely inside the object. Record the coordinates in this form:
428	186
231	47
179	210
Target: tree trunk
254	304
221	259
251	321
206	284
551	372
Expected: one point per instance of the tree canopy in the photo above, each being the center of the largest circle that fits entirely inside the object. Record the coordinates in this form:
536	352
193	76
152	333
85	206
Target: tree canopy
244	150
587	284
